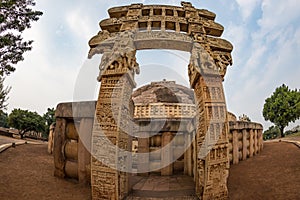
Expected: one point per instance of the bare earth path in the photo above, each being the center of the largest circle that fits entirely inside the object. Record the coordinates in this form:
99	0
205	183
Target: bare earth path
273	174
26	172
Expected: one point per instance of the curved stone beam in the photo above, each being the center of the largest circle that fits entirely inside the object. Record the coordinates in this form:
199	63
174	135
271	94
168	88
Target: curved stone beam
178	26
219	49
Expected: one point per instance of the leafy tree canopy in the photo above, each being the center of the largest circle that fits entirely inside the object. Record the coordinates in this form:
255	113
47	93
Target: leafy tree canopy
49	118
3	119
3	94
282	107
26	121
15	17
272	133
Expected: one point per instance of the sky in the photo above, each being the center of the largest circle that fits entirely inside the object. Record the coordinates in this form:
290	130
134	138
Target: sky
265	35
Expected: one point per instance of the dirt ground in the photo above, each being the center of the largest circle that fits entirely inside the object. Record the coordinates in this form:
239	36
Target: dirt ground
273	174
26	172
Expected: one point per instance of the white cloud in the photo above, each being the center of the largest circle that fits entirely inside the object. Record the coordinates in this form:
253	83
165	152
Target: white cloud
80	25
278	15
273	50
247	7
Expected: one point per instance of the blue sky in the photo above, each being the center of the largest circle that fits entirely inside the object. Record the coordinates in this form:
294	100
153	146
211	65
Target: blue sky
265	35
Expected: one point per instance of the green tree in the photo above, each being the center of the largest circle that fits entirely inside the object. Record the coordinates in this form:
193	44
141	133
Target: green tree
49	118
15	17
26	121
3	119
272	133
3	94
282	107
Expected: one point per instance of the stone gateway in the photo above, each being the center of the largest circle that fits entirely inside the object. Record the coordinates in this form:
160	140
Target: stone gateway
172	129
138	27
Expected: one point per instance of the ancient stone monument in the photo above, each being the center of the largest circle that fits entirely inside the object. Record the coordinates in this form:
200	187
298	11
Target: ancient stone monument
138	27
165	109
194	123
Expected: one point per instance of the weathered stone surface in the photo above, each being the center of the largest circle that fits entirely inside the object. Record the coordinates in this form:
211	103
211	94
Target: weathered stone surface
59	140
76	109
161	17
178	28
245	140
186	28
208	63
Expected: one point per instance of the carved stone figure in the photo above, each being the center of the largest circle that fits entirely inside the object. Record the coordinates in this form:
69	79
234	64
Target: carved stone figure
201	59
100	37
122	55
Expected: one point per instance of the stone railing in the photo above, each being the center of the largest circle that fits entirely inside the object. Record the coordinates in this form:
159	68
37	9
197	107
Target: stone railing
245	140
71	151
164	110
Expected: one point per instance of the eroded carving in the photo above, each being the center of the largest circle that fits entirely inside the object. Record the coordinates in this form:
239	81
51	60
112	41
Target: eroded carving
133	25
122	57
100	37
201	61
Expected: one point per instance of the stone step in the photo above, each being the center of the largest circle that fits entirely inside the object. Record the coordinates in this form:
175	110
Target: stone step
163	187
163	198
163	194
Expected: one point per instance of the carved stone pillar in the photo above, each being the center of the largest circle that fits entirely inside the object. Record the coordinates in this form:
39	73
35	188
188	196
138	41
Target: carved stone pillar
212	126
109	136
110	139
